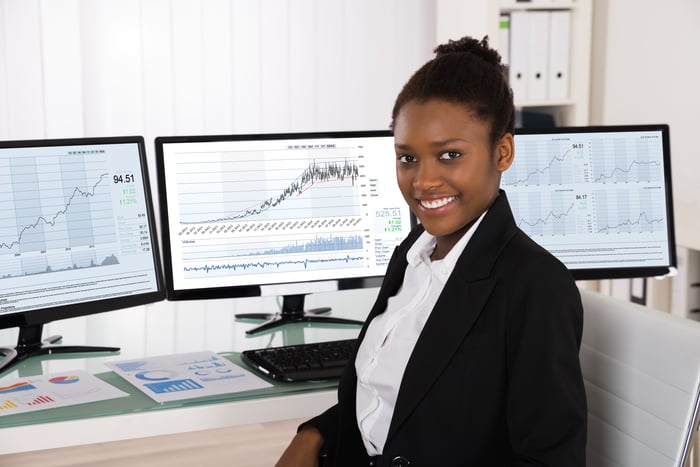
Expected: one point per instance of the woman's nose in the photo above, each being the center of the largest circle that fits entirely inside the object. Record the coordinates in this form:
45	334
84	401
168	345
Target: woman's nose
427	176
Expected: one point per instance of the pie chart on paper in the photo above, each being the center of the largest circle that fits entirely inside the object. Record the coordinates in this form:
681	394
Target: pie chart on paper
64	380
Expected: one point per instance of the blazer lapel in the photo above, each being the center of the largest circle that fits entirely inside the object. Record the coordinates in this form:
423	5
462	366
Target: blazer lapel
465	295
392	279
441	336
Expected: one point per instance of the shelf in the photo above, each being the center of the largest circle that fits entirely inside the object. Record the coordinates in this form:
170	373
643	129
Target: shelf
514	5
482	17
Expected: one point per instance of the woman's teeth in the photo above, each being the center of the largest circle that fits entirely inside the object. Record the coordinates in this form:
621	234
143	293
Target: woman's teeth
436	203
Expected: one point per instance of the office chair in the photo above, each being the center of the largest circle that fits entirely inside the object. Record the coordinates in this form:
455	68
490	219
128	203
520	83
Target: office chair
641	369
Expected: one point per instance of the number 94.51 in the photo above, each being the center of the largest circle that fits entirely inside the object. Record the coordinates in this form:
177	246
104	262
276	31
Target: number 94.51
123	178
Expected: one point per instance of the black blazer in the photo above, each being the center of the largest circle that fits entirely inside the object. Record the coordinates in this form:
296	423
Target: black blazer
494	379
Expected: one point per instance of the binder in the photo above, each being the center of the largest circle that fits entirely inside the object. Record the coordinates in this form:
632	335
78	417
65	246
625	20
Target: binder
559	51
504	38
519	54
538	53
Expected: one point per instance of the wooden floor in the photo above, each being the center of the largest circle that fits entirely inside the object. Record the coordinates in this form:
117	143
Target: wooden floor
256	445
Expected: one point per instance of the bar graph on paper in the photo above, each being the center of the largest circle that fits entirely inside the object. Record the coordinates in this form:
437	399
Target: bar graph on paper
52	391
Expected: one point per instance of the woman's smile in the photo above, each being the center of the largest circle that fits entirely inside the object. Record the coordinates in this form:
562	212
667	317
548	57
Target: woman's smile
432	204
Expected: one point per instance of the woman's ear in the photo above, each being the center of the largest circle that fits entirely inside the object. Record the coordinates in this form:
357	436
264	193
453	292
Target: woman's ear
505	150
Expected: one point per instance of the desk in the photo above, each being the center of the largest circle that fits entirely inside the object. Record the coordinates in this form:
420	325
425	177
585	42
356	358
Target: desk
137	416
168	328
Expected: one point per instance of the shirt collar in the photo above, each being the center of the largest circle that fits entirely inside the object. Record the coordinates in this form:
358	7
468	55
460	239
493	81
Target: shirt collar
423	247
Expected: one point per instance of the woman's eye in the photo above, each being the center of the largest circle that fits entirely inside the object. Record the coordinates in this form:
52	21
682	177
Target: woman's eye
448	155
405	158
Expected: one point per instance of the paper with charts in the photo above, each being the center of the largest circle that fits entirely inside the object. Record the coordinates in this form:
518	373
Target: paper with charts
56	390
184	376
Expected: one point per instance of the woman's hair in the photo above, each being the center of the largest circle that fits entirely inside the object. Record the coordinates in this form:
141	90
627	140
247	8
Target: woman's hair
468	72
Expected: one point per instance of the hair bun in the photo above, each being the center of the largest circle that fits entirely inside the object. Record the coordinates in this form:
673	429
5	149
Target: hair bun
468	44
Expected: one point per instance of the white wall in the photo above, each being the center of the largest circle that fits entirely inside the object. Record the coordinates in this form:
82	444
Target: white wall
159	67
458	18
646	69
72	68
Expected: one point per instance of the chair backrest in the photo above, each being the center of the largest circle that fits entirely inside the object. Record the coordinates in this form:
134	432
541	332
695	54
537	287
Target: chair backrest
642	374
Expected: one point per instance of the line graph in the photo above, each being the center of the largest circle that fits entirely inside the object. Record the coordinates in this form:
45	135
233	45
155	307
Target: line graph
547	214
51	220
618	174
555	162
533	175
55	214
550	217
265	266
246	189
642	223
627	159
624	213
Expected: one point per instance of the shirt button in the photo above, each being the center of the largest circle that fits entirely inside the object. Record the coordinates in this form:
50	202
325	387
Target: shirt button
400	461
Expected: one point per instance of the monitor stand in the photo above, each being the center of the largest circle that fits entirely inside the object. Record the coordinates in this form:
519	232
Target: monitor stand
293	312
30	344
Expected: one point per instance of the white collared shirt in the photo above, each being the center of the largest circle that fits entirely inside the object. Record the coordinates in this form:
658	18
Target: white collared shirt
391	336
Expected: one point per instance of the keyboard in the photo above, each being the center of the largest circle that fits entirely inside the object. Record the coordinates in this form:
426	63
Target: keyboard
304	362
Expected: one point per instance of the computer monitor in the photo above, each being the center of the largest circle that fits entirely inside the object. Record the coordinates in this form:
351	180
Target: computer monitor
77	236
278	214
598	198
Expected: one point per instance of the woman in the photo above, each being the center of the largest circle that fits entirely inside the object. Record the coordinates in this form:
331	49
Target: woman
469	356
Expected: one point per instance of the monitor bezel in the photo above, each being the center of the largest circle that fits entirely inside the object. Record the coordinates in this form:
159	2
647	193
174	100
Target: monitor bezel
46	315
626	272
241	291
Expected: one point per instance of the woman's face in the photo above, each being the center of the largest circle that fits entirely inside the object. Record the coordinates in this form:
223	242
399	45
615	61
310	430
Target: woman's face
446	167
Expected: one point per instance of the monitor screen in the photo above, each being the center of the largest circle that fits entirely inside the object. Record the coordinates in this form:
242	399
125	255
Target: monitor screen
77	233
278	214
598	198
